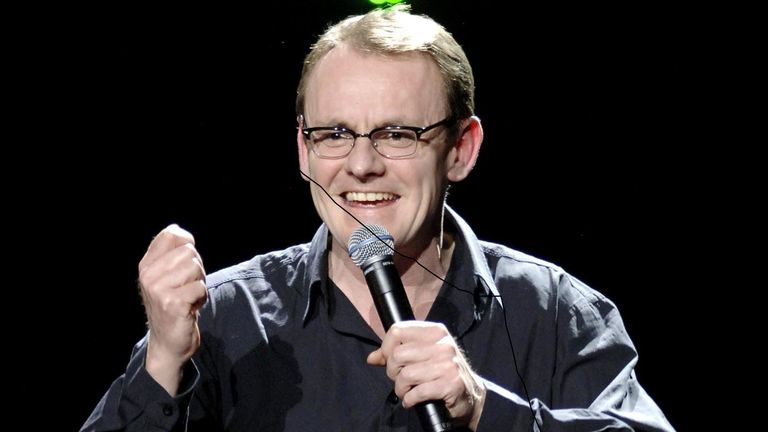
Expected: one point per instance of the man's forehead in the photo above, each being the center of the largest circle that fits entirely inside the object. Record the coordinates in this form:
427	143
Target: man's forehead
384	90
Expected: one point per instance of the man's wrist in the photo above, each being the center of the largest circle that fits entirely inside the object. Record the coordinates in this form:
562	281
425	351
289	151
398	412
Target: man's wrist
164	369
478	403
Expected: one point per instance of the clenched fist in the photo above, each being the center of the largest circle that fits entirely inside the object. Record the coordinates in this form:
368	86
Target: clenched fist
172	283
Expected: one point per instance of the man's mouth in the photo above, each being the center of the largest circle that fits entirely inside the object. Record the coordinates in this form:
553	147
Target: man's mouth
369	198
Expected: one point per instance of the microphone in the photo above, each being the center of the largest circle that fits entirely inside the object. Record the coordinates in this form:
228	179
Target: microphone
375	259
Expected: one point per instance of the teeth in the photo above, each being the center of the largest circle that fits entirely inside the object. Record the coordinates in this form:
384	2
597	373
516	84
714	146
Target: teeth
369	196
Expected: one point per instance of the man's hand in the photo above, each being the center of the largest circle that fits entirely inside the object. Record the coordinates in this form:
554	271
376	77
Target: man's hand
172	283
426	364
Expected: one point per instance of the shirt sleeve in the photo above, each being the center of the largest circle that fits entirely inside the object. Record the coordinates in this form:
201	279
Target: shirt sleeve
594	387
136	402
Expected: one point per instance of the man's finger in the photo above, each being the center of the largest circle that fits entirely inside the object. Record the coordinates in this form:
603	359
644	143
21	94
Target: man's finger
169	238
376	358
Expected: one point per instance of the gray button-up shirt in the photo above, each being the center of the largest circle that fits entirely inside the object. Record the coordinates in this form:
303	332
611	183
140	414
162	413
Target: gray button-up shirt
284	350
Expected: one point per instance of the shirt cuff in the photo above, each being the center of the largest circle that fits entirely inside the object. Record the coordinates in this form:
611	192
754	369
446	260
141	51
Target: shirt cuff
146	396
503	410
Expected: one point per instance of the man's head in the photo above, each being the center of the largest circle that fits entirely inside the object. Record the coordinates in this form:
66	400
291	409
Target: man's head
377	72
394	31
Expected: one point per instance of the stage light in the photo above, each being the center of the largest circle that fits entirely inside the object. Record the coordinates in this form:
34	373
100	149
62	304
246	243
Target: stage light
381	2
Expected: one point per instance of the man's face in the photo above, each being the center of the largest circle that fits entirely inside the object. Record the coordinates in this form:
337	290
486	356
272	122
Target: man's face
362	92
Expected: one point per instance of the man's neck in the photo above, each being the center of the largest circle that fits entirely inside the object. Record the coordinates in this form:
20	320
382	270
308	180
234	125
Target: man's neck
421	287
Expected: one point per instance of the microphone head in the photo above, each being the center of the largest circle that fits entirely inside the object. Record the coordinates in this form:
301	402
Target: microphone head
364	245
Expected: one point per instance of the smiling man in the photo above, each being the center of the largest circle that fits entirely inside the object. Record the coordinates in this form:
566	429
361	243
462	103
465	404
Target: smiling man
291	340
397	176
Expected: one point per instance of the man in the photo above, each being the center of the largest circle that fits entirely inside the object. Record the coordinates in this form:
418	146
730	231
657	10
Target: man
291	340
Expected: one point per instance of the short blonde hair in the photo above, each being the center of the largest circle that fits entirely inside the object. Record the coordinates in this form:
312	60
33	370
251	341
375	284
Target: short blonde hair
395	31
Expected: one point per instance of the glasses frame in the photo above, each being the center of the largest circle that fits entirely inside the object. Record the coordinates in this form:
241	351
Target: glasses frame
448	121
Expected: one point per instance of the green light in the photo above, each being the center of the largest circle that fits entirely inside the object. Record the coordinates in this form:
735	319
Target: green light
381	2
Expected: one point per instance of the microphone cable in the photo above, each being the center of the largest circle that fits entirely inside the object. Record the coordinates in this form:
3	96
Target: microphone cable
497	297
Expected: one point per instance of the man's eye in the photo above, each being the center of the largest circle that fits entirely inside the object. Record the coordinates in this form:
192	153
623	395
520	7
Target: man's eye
394	136
330	136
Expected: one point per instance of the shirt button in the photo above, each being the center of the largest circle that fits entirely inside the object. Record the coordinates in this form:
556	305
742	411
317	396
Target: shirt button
392	398
167	410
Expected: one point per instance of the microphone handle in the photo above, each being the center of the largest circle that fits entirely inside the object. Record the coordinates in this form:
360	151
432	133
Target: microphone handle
393	306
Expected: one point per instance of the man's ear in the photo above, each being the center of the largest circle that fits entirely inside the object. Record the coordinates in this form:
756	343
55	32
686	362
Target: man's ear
302	149
463	156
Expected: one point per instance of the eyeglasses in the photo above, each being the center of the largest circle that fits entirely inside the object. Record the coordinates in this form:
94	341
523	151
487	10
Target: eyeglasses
392	142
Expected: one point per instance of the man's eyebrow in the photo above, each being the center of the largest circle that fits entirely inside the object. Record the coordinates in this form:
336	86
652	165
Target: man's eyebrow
334	122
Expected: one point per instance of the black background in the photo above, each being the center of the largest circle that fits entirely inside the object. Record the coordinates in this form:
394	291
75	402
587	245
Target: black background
156	116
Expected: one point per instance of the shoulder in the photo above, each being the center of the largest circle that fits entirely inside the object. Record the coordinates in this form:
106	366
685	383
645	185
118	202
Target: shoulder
495	252
250	301
519	274
507	264
277	270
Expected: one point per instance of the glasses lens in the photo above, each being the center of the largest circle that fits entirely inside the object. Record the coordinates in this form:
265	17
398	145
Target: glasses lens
331	144
395	142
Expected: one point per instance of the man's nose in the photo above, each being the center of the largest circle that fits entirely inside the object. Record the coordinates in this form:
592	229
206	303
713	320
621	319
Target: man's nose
364	161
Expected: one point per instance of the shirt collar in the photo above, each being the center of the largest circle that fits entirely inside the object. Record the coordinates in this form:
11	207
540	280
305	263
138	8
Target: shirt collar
317	269
469	287
479	265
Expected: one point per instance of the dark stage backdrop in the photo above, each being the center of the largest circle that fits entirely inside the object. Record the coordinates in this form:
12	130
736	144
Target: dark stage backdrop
186	116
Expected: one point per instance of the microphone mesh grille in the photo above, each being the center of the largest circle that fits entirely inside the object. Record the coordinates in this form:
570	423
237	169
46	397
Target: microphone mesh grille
364	245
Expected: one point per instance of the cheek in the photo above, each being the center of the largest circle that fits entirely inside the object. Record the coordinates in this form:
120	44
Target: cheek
323	172
429	178
315	168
